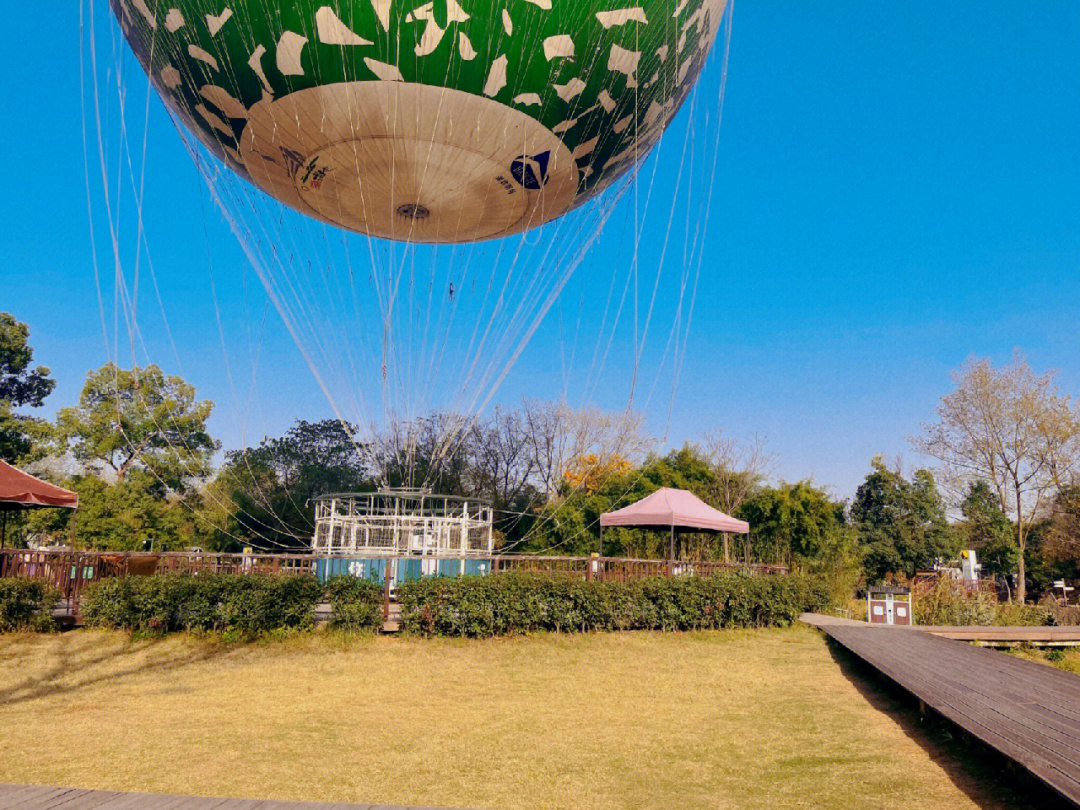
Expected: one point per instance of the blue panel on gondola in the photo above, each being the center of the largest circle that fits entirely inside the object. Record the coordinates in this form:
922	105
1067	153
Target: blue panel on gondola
359	567
404	568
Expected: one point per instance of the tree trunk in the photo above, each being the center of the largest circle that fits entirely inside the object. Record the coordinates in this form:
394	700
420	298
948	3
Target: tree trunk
1021	538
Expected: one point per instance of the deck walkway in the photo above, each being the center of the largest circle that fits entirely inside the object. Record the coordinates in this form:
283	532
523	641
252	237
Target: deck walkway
985	635
30	797
1027	711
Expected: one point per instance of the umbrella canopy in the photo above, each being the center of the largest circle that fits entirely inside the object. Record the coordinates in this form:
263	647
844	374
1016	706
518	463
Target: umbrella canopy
19	490
674	509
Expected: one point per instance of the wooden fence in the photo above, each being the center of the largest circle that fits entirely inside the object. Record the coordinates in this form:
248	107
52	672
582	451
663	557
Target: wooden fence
71	571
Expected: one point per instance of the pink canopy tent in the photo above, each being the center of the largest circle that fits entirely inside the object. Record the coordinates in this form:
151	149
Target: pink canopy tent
673	509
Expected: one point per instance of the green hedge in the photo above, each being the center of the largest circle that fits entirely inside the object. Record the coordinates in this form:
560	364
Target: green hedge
355	604
241	604
27	604
505	604
245	604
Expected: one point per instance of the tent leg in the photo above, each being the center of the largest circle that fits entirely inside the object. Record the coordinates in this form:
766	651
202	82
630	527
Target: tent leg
3	528
601	540
671	551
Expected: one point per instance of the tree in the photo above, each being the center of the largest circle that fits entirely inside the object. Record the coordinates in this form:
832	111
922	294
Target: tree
140	419
988	530
559	434
588	472
261	496
502	468
135	514
1054	544
797	523
901	524
1011	428
20	385
738	470
429	452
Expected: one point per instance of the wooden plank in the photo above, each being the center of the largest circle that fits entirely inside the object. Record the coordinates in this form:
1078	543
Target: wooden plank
14	796
46	801
1027	711
89	800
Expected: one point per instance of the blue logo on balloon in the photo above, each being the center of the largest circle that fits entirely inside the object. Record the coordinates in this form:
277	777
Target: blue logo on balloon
531	171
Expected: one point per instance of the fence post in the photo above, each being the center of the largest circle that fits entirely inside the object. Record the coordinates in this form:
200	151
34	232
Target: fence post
386	592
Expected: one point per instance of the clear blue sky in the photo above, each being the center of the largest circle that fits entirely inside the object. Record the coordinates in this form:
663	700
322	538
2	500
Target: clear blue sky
898	188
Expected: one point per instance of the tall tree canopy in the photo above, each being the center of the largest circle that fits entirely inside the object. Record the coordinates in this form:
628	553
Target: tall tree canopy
20	386
140	418
1011	428
901	524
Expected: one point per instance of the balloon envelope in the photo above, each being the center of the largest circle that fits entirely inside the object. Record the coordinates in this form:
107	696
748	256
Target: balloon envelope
442	121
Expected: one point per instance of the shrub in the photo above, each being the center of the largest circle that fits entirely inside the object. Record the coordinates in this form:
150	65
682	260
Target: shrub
253	604
27	604
243	604
355	604
949	602
503	604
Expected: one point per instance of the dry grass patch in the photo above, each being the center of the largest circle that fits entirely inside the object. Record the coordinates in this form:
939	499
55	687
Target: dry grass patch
724	719
1067	658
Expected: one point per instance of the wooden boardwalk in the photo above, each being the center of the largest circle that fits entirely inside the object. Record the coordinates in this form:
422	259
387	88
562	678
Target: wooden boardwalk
28	797
1027	711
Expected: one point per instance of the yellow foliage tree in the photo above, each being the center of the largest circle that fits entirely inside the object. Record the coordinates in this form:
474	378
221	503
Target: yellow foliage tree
588	472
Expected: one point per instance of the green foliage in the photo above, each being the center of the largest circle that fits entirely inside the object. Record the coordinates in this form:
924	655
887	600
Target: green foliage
135	514
22	438
27	604
794	523
260	497
140	419
244	605
355	603
988	530
1053	545
949	602
901	524
506	604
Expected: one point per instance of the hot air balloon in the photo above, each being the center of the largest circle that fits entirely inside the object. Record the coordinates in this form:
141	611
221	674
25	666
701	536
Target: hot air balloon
441	121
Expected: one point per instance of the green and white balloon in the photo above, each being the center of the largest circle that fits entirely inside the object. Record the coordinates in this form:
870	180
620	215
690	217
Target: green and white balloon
441	121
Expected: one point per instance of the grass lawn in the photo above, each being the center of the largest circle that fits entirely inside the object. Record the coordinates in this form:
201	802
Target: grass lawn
642	720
